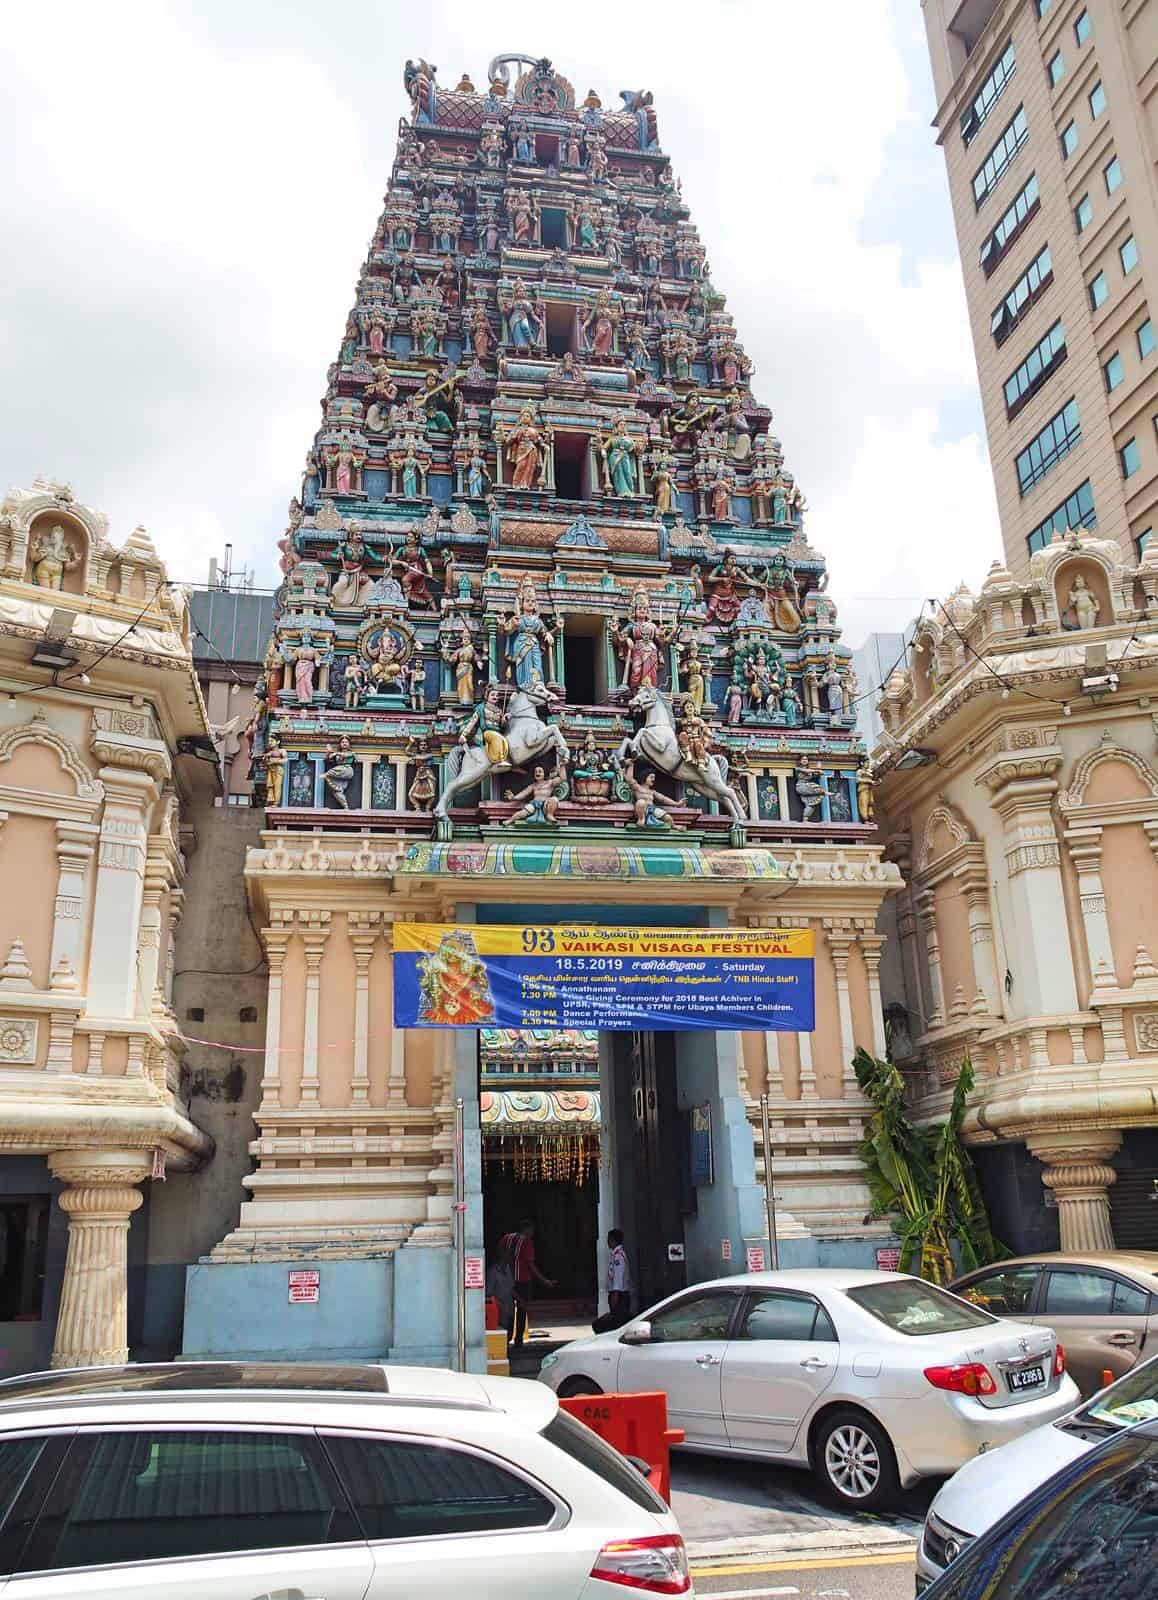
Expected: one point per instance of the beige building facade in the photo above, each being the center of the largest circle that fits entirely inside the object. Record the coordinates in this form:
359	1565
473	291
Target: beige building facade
101	720
1018	796
1048	118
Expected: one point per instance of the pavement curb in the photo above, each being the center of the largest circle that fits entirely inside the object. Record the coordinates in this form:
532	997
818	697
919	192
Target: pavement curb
809	1546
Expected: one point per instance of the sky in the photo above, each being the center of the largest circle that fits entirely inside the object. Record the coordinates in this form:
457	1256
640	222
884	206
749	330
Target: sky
190	189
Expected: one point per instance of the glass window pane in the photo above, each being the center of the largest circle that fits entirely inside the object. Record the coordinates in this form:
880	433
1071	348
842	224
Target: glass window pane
1129	254
1146	339
1130	1301
1084	213
1057	69
702	1316
1078	1294
1114	373
153	1495
1082	27
1113	175
1070	138
909	1306
1131	458
778	1316
1009	1292
1097	100
405	1491
1099	291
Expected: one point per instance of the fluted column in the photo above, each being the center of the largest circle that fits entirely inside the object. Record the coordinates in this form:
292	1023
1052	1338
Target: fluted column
363	927
315	929
275	940
149	996
926	911
1079	1173
396	1082
1085	847
75	843
840	937
100	1197
975	889
870	948
112	979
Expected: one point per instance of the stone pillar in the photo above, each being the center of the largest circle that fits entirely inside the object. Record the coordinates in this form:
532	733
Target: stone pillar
975	889
100	1197
275	940
870	948
807	1070
363	928
112	977
149	996
176	911
74	851
396	1081
1079	1173
840	937
1085	847
910	961
927	912
315	930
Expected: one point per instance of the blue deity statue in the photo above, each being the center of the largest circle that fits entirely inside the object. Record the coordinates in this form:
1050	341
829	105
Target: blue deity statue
528	634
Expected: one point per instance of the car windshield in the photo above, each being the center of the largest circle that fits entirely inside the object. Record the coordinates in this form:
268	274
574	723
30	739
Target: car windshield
916	1308
1133	1398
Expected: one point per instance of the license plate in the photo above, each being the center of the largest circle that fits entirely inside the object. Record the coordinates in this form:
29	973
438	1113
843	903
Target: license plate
1025	1378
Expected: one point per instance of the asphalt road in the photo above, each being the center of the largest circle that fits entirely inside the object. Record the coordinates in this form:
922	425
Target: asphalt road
856	1578
717	1499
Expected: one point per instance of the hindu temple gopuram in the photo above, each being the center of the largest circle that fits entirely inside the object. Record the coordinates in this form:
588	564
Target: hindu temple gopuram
551	643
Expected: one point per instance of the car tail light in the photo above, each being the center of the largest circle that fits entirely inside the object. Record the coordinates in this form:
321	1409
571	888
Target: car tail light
657	1564
1059	1361
966	1377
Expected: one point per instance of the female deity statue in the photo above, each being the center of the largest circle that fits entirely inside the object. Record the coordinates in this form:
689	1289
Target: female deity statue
782	595
477	477
592	774
464	658
780	489
573	155
526	447
356	683
760	499
484	729
447	281
739	430
417	572
377	333
352	582
528	634
618	452
864	789
1084	603
637	351
523	326
305	665
480	332
337	770
693	675
423	791
833	682
663	486
725	582
585	229
52	557
410	474
792	706
524	147
437	416
721	499
598	326
523	219
273	763
639	640
762	690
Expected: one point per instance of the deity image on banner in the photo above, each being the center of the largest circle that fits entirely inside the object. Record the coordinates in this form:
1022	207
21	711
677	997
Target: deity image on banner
453	983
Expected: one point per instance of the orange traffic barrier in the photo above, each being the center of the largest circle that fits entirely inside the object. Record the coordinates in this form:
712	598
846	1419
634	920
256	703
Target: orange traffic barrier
636	1424
1107	1377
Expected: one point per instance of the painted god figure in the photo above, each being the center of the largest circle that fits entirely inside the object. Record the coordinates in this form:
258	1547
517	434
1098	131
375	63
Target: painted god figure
352	582
618	451
528	633
639	640
538	802
526	451
585	229
52	557
480	332
523	326
337	771
1084	603
305	665
414	564
663	487
387	670
725	582
477	477
453	983
598	326
464	658
695	684
484	729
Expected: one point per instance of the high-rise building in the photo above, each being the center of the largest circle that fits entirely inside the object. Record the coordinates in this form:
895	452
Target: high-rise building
544	506
1048	117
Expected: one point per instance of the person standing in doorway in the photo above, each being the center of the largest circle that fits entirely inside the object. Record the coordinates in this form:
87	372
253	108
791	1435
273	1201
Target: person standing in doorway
618	1285
522	1249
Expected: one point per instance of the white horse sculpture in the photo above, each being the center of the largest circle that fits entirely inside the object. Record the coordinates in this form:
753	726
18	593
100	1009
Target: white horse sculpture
528	740
656	742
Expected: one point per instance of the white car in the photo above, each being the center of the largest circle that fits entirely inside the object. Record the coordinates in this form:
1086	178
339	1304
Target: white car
224	1481
872	1379
984	1490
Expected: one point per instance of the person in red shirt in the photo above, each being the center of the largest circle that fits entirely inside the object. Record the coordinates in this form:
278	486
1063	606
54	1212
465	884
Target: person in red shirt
520	1248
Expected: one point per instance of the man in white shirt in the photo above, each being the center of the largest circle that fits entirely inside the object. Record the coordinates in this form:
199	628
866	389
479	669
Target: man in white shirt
618	1285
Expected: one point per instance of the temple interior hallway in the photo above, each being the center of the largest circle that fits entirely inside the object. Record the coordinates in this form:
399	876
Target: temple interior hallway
565	1216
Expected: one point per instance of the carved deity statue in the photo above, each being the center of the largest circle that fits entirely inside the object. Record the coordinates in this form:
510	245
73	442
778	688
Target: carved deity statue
52	557
1084	602
526	450
414	564
539	801
651	809
353	580
528	634
462	655
617	452
639	639
337	771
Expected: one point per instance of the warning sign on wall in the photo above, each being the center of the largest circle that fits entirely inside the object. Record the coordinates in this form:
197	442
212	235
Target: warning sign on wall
305	1286
472	1272
755	1258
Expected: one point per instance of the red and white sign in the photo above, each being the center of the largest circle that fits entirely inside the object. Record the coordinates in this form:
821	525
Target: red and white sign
472	1273
305	1286
888	1257
725	1249
756	1258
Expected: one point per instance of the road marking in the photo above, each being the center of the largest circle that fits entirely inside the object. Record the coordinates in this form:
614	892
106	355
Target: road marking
750	1594
808	1563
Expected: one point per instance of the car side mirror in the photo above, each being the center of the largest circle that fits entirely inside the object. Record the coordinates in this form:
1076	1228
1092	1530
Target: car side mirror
638	1333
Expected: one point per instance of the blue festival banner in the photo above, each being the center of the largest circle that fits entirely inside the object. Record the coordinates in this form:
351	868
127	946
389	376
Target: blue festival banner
622	979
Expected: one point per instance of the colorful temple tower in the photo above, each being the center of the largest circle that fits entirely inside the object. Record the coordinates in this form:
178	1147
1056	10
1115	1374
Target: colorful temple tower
551	642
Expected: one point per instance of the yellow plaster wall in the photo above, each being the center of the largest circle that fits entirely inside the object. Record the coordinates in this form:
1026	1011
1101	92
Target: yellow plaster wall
826	1051
115	1058
28	874
293	1021
862	1016
336	1016
420	1047
952	919
1059	1047
1130	879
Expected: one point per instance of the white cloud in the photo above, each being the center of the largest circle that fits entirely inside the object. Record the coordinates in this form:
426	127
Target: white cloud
196	186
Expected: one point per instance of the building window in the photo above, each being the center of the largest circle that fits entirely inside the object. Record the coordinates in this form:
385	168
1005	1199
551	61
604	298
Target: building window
1128	253
1082	28
1041	361
1057	68
1114	372
1131	458
1025	206
1084	213
1043	6
1097	100
1099	291
1060	435
1113	175
1069	139
1146	340
988	94
1028	289
1075	511
1000	156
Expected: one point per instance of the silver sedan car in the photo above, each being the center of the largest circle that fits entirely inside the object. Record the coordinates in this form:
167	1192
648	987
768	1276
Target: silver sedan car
871	1379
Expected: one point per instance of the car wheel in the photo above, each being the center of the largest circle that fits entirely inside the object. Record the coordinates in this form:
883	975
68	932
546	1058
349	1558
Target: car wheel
577	1386
855	1458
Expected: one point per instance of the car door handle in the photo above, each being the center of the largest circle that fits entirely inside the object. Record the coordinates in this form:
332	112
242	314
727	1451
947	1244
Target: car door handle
813	1364
707	1360
1123	1336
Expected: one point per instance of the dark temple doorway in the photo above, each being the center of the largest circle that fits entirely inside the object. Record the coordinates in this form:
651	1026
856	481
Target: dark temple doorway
651	1162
